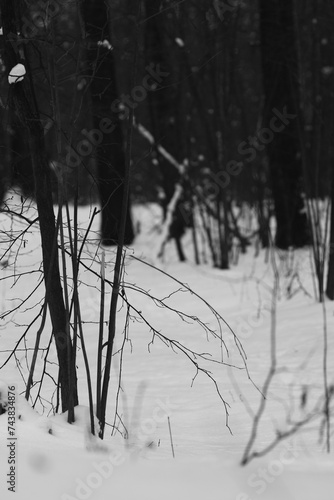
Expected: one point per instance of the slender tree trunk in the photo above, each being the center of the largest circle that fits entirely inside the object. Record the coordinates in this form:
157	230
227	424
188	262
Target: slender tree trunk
102	409
327	132
330	272
279	61
22	101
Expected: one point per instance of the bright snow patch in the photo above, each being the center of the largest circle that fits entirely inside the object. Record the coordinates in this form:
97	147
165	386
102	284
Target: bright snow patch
3	397
106	44
16	74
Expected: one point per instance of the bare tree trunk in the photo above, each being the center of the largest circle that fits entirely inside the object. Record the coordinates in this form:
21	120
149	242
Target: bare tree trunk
109	145
330	272
122	230
279	59
22	101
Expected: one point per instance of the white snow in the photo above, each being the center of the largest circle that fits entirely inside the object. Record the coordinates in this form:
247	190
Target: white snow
106	44
16	74
57	461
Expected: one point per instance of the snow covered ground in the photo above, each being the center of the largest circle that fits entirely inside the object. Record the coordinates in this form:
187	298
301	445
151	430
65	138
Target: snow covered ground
165	407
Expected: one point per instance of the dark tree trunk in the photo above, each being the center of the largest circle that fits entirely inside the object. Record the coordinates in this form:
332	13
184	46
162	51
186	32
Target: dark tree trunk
109	145
4	155
21	166
327	131
279	62
22	102
330	272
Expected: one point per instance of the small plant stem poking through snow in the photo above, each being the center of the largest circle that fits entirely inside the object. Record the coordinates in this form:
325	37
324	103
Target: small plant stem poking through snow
171	437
